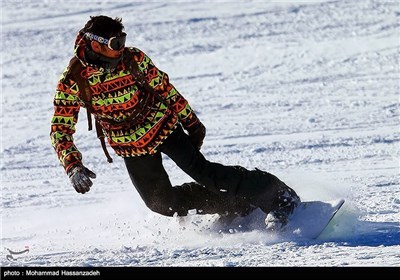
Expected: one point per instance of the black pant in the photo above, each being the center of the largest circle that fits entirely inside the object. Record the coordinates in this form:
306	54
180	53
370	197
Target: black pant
218	188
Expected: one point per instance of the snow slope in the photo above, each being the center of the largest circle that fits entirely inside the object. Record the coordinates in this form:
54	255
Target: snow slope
308	91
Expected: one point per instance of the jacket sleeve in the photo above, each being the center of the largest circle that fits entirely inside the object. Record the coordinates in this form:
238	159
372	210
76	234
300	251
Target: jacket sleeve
159	81
66	110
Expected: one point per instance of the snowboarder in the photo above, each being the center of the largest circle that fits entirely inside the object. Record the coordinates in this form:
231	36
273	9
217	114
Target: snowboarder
143	115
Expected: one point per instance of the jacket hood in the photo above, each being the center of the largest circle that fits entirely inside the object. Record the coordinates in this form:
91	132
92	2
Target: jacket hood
80	44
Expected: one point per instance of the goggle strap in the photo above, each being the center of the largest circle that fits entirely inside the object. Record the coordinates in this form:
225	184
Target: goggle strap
99	39
102	40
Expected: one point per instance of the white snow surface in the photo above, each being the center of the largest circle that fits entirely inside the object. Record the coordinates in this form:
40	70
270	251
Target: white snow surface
306	90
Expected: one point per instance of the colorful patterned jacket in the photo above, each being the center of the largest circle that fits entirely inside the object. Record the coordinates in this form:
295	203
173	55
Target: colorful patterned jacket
114	98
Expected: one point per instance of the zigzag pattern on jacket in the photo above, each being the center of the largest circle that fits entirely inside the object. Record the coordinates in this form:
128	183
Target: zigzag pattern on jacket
114	98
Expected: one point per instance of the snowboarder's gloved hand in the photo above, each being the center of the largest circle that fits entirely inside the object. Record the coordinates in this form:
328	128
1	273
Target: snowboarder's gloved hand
197	135
80	178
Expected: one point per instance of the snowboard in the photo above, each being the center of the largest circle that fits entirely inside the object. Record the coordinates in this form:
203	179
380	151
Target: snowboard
310	218
307	221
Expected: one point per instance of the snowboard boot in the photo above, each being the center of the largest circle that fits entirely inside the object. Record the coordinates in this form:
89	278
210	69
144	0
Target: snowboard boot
277	219
225	220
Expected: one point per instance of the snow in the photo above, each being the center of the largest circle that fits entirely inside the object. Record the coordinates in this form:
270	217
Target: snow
308	91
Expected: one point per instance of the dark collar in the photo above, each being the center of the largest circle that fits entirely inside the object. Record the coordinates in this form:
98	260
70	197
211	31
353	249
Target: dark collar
96	60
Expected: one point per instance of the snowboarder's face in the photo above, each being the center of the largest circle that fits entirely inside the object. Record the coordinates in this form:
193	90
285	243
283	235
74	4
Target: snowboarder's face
105	50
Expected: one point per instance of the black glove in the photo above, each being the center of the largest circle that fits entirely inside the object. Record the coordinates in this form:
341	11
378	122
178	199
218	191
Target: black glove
79	177
197	135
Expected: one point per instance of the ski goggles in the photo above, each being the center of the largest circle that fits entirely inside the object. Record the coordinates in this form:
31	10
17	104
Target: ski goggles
114	43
